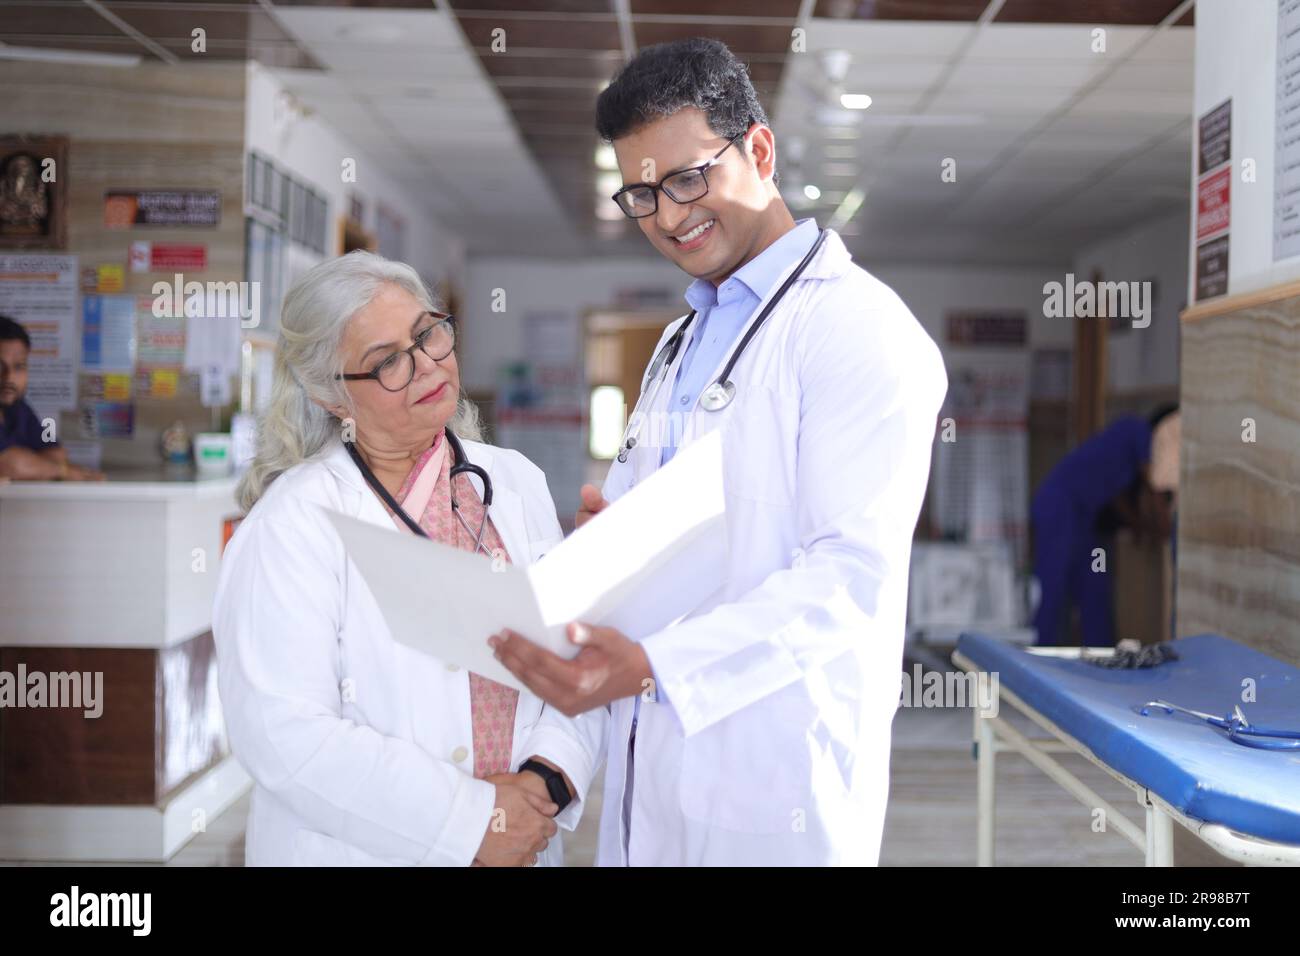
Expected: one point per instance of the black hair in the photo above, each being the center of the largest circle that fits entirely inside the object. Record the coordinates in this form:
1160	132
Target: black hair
667	77
10	330
1161	413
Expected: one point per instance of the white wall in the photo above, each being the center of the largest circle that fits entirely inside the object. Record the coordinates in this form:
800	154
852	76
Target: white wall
932	290
492	339
1156	250
532	284
1236	55
1138	358
314	152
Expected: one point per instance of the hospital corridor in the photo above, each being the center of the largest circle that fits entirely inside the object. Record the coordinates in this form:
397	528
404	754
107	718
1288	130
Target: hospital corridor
659	434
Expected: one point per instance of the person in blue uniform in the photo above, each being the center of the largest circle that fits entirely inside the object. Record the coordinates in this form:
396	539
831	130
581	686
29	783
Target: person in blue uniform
1101	486
24	451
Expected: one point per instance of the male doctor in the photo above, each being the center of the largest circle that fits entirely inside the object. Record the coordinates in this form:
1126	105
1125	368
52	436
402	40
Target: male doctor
756	730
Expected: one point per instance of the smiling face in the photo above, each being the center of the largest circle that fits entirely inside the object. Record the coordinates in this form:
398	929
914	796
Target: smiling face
409	418
735	220
13	371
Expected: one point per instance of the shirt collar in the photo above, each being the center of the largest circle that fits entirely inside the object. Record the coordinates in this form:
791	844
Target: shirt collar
759	275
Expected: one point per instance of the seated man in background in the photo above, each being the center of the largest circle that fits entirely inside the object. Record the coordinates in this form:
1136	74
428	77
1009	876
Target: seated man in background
24	452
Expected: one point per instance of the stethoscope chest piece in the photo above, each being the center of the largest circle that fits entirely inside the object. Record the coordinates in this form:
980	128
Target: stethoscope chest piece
718	396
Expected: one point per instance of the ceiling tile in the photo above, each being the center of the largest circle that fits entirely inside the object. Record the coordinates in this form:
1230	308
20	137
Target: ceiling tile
901	9
595	68
535	6
53	18
742	39
532	33
781	9
1148	12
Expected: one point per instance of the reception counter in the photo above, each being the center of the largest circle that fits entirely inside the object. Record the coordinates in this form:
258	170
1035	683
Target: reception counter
106	592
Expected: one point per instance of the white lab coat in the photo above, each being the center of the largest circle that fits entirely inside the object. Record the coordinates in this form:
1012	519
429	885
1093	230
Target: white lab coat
361	748
772	746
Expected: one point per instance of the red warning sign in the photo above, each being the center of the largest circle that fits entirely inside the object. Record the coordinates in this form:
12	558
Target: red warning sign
1212	203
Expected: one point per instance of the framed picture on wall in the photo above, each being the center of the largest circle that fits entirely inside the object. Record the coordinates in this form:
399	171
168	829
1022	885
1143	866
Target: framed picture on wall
33	192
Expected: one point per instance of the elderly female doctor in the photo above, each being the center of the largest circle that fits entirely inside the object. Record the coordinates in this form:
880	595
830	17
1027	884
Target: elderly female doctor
365	751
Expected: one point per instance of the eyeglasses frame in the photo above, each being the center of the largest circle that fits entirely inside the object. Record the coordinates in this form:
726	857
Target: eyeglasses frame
443	319
656	188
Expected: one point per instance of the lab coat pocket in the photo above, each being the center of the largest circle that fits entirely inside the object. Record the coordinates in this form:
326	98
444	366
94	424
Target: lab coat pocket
751	772
537	549
759	440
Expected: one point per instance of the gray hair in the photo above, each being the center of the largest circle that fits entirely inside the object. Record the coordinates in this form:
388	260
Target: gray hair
294	428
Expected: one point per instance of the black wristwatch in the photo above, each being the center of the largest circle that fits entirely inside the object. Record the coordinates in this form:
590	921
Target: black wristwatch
554	782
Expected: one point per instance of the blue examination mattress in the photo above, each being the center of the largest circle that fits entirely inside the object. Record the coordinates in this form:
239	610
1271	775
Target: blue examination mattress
1187	762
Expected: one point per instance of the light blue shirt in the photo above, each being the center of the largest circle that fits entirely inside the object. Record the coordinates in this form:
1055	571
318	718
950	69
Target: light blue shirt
721	313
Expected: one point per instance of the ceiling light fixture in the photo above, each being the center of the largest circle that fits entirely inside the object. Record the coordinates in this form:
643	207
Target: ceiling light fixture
848	208
52	55
605	157
608	183
371	32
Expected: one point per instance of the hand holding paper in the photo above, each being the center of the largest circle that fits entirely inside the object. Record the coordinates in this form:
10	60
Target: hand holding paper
593	502
608	667
653	556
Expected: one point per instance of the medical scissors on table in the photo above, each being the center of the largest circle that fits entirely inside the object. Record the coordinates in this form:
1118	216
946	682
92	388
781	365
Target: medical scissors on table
1240	730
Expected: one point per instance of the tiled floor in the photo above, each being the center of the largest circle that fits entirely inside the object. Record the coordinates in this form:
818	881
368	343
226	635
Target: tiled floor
931	816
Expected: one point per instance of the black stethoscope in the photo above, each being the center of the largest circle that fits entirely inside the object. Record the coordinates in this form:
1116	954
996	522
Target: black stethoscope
460	466
719	394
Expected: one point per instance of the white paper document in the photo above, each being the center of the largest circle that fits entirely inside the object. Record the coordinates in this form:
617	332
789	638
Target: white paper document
648	559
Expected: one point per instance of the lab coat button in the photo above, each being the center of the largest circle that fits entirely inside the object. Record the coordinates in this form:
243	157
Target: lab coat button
459	754
686	399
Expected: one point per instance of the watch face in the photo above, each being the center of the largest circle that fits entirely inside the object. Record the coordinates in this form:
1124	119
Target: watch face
554	782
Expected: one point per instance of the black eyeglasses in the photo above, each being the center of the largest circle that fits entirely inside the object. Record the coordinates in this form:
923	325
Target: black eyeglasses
686	185
396	371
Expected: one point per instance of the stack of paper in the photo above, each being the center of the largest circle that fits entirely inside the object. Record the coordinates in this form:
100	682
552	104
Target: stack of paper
645	561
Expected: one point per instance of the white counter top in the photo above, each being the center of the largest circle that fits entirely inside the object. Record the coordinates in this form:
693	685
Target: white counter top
127	562
141	485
